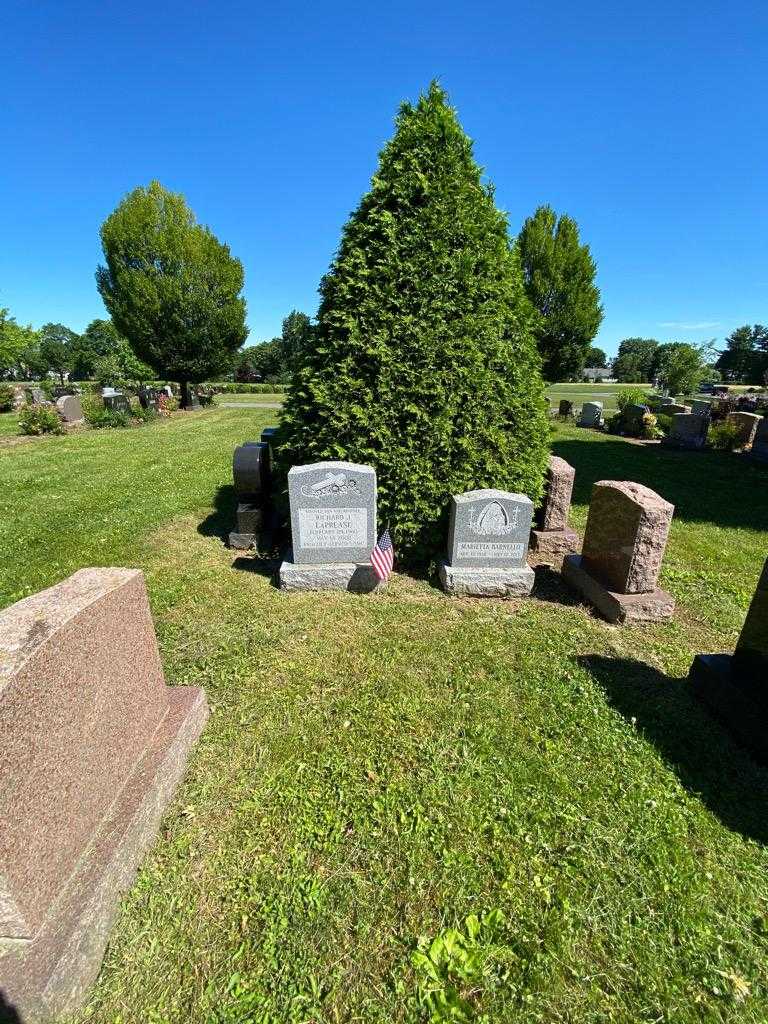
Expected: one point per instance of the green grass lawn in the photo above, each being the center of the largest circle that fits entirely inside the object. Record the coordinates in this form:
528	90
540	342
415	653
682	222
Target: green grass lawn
9	423
249	399
406	808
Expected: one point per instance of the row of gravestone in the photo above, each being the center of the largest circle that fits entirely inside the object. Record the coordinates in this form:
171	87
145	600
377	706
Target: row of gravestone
333	525
690	423
94	742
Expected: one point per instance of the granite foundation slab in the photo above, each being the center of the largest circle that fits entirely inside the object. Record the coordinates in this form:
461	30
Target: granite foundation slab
715	680
656	606
243	541
459	581
554	543
355	577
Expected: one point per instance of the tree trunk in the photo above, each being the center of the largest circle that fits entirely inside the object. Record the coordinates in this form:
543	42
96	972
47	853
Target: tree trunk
185	399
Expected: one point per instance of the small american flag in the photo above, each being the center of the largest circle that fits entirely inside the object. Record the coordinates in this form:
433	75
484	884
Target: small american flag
383	556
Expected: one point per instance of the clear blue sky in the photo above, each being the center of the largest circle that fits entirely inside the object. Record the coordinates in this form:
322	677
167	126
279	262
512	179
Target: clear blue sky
646	122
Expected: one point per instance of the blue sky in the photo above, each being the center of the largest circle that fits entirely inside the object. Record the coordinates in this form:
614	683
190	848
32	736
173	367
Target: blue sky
645	122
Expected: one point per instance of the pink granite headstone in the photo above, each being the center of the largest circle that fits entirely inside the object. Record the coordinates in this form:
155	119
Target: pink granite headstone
92	745
624	544
552	536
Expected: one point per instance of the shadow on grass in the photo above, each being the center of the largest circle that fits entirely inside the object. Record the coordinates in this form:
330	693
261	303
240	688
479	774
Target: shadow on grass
221	521
259	565
719	487
705	758
549	586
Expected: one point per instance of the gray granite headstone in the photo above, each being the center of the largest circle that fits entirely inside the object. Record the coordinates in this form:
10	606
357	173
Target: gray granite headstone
672	408
489	528
591	414
70	408
760	444
333	512
701	408
688	430
116	402
633	417
666	401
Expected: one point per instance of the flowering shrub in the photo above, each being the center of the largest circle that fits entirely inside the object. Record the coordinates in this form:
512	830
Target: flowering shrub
651	430
40	419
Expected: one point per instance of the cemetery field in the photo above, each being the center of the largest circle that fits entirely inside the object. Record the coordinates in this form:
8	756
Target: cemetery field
9	423
408	808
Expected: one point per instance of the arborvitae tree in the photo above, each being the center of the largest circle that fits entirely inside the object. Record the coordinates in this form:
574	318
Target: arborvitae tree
172	289
559	276
424	364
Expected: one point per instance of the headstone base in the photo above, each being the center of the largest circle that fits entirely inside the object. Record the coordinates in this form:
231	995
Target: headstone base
49	975
243	541
554	543
655	606
714	682
486	582
356	577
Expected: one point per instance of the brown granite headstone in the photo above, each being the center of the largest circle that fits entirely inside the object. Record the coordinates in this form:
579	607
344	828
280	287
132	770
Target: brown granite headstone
552	535
93	746
746	423
735	687
624	543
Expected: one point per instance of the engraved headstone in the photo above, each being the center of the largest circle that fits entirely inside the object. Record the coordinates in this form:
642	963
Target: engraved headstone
70	408
36	396
487	544
333	527
624	543
551	535
93	746
688	431
674	407
591	414
116	401
735	687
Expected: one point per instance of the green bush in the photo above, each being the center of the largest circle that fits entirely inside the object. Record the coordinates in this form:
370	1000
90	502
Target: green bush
96	414
424	363
631	396
651	430
663	422
724	436
40	419
7	398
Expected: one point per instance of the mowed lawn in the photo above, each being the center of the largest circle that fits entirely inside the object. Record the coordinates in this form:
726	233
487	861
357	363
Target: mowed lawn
407	808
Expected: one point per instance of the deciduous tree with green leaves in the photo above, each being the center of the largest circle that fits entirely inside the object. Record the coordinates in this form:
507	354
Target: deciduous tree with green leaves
634	361
171	288
58	345
424	363
746	355
596	358
559	275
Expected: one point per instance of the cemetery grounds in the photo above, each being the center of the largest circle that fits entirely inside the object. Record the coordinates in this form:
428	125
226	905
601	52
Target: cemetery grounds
410	808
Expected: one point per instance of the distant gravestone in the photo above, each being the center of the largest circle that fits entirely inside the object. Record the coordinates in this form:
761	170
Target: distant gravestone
699	407
551	535
565	408
333	527
674	407
734	687
666	400
624	543
148	399
746	423
70	409
487	545
36	396
167	390
760	443
116	401
591	414
688	431
633	416
251	473
93	746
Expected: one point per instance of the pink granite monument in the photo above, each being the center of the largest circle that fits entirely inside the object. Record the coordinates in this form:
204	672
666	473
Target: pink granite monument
552	537
92	746
624	543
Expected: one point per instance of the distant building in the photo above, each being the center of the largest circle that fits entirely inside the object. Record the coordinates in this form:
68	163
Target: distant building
596	373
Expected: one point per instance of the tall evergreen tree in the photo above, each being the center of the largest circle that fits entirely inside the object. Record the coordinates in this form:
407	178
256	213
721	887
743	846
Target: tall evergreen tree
424	363
559	276
171	287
